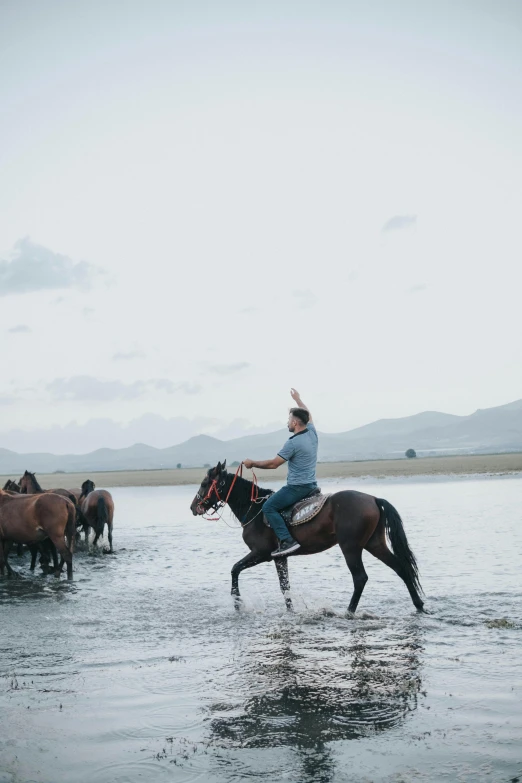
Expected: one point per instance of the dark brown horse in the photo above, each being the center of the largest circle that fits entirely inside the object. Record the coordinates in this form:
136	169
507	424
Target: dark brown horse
31	520
353	520
30	486
77	492
97	510
12	486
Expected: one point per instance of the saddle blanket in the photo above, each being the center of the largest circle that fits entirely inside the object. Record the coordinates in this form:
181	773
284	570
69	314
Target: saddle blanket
303	511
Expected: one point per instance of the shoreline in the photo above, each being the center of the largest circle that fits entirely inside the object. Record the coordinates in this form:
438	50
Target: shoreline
474	464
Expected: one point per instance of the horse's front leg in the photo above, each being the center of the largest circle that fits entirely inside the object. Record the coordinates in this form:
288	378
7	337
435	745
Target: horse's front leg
250	560
281	564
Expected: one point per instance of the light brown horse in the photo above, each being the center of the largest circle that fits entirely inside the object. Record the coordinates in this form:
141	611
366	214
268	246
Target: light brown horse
12	488
353	520
30	520
97	510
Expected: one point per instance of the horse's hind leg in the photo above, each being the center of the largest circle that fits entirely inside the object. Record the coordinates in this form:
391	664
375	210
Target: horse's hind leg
109	529
50	548
33	548
353	557
281	564
65	555
379	549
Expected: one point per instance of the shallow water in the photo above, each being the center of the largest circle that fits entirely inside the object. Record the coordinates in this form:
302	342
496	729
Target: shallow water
141	670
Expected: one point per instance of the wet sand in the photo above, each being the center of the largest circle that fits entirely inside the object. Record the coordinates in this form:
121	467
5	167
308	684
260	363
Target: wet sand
421	466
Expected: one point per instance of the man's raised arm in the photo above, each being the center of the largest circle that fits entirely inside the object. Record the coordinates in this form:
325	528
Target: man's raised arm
300	404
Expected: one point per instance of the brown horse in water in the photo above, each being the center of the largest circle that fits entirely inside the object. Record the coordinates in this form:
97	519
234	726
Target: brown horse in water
353	520
46	548
97	510
29	485
31	520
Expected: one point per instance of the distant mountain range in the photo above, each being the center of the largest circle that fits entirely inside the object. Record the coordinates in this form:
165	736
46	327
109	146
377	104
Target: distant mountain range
489	430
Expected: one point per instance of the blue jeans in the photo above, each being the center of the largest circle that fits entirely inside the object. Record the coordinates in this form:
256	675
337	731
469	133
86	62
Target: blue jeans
284	497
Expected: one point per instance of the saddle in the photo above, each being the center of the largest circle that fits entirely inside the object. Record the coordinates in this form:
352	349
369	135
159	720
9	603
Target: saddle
304	510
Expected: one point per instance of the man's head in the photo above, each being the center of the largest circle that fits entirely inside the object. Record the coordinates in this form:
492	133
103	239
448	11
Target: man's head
298	419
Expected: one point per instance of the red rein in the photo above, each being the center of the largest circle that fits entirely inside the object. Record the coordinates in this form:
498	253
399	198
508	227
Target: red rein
214	488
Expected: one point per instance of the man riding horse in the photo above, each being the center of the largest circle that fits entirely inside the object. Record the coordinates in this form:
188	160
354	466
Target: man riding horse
300	451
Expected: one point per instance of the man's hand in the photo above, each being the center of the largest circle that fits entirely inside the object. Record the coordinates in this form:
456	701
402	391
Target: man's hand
297	398
248	463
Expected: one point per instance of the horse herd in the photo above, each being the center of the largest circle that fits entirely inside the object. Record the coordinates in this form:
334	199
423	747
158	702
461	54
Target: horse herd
48	521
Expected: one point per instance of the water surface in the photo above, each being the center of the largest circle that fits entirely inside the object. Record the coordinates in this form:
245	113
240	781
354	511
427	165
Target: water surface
141	670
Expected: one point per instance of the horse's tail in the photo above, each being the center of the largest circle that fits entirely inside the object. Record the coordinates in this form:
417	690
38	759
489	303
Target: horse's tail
399	542
70	527
102	515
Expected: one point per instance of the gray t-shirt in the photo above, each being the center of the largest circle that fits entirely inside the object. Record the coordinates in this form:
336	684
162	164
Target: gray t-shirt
300	451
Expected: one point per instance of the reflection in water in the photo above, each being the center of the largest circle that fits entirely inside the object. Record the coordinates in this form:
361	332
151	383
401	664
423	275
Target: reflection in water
307	694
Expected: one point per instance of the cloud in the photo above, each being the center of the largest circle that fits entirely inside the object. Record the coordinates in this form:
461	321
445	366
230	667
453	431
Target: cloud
399	223
305	298
416	289
163	384
228	369
122	356
31	267
20	329
86	388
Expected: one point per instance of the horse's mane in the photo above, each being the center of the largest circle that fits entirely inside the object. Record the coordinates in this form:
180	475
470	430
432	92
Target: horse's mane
241	495
244	486
34	480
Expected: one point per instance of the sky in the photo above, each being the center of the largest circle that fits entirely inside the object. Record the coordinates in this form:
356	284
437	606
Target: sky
203	204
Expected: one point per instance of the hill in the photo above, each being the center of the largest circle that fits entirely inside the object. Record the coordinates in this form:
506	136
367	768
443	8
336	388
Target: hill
430	432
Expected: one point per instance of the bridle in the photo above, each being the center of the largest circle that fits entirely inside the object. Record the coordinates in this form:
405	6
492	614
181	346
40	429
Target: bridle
219	503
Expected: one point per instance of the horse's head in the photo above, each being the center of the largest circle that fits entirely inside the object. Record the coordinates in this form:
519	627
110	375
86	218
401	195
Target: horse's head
26	483
211	490
11	486
87	486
